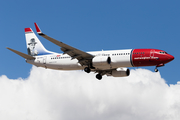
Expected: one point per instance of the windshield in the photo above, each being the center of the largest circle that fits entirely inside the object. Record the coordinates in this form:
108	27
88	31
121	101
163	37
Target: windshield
163	52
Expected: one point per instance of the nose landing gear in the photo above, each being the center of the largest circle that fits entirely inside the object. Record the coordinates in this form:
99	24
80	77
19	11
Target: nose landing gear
160	65
156	70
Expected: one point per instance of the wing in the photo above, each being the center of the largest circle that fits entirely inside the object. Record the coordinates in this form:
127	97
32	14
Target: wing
22	54
83	57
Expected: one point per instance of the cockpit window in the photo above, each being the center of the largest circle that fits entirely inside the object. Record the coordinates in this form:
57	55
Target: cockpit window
162	52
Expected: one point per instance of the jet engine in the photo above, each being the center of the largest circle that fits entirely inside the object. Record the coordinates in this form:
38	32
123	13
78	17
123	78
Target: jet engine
101	60
120	72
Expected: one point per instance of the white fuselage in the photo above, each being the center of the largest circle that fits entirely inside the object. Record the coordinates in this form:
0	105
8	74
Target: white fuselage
111	63
119	58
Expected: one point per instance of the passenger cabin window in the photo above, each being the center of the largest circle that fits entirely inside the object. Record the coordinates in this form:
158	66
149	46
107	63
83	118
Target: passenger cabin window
139	53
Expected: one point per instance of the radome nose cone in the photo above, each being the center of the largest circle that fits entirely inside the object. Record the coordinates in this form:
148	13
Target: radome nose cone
171	57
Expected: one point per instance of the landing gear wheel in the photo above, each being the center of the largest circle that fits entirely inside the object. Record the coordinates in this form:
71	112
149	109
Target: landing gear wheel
156	70
87	69
99	76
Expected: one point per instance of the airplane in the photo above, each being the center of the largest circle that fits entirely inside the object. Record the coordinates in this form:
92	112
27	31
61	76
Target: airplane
111	62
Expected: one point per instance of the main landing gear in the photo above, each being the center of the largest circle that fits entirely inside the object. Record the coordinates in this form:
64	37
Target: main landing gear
99	76
88	70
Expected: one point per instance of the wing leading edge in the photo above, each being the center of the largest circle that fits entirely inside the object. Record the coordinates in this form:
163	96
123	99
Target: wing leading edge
83	57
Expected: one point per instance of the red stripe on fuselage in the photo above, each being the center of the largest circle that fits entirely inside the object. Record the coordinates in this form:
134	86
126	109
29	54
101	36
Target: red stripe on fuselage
150	57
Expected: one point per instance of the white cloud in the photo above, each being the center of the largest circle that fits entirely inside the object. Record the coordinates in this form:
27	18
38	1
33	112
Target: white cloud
53	95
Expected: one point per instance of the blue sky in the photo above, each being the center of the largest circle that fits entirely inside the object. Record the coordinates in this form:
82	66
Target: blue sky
91	26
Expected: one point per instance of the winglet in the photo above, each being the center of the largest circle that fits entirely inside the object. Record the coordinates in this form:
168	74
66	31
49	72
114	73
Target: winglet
38	29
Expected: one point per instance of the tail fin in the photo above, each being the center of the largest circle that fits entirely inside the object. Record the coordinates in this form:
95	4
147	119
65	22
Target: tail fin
34	46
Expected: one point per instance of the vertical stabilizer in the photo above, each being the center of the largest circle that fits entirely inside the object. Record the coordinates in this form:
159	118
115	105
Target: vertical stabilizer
34	46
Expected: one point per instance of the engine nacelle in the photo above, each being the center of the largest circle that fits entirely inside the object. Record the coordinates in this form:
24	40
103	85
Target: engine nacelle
120	72
101	60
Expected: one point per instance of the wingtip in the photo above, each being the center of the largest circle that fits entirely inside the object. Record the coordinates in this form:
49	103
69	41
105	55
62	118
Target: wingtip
38	29
8	48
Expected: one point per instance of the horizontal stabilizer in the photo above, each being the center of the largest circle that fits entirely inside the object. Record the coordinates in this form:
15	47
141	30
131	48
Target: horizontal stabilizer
22	54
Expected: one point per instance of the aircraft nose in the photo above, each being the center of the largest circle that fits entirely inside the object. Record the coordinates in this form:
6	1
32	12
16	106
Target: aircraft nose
170	57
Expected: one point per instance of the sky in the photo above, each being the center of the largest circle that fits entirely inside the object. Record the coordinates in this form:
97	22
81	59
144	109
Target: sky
90	26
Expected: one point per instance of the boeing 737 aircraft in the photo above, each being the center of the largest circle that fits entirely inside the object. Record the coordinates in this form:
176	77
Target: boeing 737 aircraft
111	63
